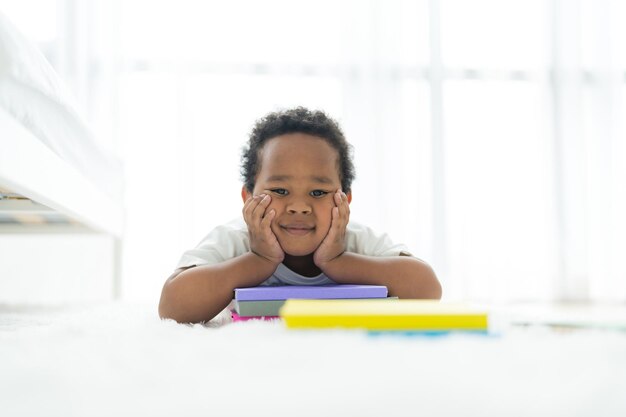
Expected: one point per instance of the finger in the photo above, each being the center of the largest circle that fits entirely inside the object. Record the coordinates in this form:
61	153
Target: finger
335	224
267	220
246	207
259	211
346	203
342	205
250	208
337	198
246	204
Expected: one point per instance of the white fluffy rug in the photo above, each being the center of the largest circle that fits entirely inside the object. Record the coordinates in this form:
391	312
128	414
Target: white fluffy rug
121	360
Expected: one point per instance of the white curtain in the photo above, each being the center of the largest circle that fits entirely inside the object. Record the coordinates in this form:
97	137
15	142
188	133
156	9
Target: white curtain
489	134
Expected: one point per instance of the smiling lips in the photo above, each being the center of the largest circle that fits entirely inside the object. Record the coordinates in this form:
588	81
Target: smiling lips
297	229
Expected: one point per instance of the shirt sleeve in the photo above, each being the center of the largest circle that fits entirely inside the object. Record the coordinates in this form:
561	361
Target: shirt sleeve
365	241
222	243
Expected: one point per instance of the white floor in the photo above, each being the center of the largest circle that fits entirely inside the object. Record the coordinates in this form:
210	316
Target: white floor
119	359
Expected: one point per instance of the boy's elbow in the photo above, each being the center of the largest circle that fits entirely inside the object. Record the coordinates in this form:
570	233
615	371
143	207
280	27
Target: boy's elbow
170	305
183	302
166	310
434	291
432	287
170	309
427	286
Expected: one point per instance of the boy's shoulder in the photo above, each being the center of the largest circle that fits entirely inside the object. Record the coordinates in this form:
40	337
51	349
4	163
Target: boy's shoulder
231	232
358	227
367	241
361	230
236	225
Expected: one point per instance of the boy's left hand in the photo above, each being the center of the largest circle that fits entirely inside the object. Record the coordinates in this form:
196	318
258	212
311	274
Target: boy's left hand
334	244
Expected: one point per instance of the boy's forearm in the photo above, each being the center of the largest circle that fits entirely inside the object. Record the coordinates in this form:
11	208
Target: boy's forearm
404	276
198	294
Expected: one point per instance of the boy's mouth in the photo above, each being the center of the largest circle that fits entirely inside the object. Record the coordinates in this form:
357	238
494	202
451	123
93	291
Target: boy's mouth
297	229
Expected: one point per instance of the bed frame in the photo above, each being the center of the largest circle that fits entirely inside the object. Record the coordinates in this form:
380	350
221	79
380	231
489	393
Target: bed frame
36	181
41	193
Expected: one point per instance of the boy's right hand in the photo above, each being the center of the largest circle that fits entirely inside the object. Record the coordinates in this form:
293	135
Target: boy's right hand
263	241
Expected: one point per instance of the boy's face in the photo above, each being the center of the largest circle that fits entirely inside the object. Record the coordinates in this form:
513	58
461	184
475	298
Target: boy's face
300	173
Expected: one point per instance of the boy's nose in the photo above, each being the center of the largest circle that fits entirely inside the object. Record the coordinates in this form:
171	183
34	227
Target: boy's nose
298	208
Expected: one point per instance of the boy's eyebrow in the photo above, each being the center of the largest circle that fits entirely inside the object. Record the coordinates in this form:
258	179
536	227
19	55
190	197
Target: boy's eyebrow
315	178
278	178
321	180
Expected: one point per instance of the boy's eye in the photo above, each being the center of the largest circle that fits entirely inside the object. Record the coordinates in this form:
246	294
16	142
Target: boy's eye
318	193
279	191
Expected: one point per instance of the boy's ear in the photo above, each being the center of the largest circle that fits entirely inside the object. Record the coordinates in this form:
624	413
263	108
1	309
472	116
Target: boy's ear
349	195
244	193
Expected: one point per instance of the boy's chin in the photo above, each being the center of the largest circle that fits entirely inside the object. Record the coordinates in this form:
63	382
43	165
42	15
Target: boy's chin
299	251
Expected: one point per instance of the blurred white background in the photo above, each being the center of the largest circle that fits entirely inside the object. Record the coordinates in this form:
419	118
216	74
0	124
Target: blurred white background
489	135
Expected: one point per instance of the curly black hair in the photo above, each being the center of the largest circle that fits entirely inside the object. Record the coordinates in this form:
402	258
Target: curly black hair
296	120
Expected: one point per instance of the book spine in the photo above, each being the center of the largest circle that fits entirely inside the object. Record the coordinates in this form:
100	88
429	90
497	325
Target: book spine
384	322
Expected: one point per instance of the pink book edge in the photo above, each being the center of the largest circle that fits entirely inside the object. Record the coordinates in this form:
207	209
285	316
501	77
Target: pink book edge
237	317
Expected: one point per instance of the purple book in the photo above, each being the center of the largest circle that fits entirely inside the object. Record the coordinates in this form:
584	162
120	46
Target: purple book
330	291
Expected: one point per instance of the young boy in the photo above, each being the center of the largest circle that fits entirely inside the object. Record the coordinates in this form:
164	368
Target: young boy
297	173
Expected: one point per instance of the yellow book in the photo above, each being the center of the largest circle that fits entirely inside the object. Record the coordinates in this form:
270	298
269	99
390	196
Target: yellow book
403	315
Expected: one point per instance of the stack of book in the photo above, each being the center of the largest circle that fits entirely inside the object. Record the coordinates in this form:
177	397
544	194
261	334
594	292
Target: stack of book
265	302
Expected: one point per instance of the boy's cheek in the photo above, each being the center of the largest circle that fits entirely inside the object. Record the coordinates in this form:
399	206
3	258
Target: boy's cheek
328	205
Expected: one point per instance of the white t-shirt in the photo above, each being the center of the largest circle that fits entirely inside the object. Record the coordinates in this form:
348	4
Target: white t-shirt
231	240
